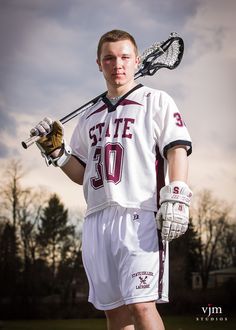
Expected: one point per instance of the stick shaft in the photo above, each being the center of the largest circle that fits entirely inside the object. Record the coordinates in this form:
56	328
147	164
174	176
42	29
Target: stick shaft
31	140
74	113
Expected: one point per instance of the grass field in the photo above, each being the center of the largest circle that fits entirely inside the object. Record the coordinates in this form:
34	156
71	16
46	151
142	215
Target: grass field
171	323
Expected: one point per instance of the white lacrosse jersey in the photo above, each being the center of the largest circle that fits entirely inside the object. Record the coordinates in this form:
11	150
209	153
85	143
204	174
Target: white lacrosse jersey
124	147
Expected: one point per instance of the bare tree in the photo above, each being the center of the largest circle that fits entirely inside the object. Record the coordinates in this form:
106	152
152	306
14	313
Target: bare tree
226	251
21	207
211	219
11	191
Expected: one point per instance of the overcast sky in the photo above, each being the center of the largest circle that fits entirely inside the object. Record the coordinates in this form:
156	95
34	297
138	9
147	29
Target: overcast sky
48	67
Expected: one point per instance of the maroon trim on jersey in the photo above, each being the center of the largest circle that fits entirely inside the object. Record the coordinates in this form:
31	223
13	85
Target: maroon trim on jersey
128	102
103	107
176	143
160	175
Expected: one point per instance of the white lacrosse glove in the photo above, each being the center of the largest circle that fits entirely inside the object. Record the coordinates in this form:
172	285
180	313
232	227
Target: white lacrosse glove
173	215
52	139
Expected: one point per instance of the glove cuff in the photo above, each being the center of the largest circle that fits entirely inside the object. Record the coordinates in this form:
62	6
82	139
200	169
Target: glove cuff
176	191
64	158
60	160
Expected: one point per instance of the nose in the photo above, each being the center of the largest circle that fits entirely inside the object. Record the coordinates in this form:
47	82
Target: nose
118	62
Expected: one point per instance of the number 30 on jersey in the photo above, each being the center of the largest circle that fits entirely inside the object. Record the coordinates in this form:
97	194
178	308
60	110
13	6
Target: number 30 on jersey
108	164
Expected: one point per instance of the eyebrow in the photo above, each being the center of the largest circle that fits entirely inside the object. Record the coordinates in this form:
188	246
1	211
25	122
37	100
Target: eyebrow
112	55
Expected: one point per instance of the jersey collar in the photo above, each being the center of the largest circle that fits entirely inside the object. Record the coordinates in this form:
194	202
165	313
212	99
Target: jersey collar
112	107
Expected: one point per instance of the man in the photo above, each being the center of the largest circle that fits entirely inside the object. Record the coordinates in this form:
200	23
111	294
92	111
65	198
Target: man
119	151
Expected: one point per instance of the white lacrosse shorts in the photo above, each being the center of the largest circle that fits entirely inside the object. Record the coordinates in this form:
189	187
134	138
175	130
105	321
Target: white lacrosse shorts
124	258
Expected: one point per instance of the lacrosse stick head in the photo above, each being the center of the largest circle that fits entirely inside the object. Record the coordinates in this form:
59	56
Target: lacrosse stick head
166	54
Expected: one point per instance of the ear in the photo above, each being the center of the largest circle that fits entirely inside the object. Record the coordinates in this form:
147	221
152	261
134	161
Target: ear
137	62
99	65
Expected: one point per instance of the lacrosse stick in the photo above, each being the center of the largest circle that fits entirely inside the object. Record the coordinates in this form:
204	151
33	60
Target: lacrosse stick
166	54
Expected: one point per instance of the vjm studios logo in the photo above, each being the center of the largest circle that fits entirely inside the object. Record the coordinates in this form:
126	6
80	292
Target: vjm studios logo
211	313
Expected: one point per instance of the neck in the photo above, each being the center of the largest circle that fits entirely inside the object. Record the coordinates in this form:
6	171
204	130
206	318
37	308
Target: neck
119	91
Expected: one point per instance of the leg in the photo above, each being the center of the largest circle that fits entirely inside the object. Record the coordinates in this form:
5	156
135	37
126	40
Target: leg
119	319
146	316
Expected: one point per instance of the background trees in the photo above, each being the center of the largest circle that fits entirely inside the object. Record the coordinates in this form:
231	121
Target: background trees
54	233
39	247
215	235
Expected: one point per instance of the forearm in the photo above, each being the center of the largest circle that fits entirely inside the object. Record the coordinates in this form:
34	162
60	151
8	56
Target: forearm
177	164
74	170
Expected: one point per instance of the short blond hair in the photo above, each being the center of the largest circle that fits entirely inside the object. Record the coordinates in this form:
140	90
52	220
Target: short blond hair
113	36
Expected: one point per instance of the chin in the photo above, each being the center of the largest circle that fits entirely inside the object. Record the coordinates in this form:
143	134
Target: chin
120	82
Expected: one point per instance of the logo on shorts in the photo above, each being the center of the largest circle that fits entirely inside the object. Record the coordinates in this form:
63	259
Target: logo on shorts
143	278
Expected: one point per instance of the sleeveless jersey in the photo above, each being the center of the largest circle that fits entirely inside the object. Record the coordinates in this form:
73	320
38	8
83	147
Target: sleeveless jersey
124	148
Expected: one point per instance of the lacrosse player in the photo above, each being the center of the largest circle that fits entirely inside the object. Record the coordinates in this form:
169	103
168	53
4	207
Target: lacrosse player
129	151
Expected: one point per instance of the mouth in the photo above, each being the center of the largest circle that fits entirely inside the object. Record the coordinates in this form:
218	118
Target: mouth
118	75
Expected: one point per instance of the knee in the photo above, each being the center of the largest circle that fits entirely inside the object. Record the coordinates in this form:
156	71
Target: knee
112	316
146	313
140	310
118	318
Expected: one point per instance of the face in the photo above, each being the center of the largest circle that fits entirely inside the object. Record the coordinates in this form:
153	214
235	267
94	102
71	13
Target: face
118	63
